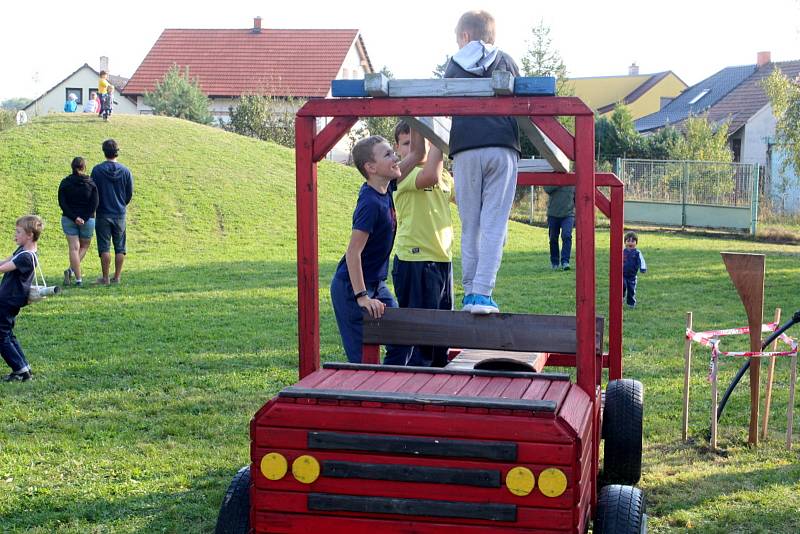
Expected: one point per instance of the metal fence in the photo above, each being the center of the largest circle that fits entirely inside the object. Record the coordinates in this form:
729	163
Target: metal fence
690	193
691	182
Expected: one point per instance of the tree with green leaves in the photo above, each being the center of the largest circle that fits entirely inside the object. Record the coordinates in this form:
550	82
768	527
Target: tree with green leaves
784	95
265	117
179	95
543	59
15	104
438	71
702	141
616	137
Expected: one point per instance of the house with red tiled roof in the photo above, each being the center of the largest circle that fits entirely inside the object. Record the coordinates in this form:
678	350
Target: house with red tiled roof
228	63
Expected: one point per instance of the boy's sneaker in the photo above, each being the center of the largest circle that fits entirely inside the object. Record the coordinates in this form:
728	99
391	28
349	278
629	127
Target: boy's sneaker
467	302
555	267
565	266
483	305
18	377
67	276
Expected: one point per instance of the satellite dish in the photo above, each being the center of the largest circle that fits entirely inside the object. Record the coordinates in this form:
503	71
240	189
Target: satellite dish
22	117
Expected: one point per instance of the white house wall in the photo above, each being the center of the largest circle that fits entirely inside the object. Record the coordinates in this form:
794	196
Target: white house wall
352	67
84	81
757	130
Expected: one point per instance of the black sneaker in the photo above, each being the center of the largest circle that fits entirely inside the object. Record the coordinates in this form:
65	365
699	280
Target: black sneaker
18	377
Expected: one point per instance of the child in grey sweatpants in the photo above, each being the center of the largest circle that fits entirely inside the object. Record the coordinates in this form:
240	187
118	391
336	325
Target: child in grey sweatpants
485	151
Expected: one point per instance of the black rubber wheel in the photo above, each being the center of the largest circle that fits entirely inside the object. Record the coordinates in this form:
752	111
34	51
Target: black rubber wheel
622	432
234	514
620	510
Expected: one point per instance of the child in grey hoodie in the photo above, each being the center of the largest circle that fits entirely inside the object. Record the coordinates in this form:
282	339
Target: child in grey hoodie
485	151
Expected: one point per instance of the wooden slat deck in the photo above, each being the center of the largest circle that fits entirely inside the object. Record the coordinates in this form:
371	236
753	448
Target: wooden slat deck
532	362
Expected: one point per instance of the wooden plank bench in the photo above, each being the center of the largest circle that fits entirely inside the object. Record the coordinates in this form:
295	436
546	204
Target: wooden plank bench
522	338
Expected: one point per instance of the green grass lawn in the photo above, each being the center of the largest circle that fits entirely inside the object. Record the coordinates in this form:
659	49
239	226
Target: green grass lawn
138	414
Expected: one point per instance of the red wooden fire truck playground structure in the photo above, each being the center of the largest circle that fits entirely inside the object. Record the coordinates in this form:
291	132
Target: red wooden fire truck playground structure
380	449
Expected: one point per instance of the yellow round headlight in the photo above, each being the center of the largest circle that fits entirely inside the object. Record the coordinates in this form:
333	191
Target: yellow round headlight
552	482
274	466
520	481
305	469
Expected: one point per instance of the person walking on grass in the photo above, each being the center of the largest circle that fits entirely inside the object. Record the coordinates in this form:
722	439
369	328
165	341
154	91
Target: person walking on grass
560	220
115	189
18	273
77	196
632	264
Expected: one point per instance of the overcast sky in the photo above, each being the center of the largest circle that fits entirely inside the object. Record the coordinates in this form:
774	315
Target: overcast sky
44	41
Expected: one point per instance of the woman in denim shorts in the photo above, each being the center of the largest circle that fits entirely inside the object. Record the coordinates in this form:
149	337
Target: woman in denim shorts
77	196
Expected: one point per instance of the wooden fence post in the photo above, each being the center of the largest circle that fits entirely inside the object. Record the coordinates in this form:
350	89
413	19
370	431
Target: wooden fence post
687	369
770	374
790	415
714	401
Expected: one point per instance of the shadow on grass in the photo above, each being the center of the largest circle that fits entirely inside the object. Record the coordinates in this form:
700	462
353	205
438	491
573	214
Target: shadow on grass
186	510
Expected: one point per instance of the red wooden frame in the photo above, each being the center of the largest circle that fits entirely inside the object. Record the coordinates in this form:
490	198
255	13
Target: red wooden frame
311	147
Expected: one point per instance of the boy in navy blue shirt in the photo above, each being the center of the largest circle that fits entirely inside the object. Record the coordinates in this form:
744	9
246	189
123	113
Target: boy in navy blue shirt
360	278
18	273
632	263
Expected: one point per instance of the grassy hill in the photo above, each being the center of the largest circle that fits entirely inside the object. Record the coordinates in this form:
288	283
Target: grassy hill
138	414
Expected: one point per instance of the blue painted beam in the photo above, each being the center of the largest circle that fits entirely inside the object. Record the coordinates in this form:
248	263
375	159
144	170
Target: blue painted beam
535	86
348	88
523	86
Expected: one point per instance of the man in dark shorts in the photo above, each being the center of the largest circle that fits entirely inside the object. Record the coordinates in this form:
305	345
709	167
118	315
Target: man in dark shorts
115	190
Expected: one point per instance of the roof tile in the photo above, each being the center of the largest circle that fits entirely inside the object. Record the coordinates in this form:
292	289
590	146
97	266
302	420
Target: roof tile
281	62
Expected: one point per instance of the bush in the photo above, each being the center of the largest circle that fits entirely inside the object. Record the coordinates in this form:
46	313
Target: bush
265	117
7	119
178	95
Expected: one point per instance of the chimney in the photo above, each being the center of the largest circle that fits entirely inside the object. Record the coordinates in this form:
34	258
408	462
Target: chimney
256	25
104	63
763	58
633	70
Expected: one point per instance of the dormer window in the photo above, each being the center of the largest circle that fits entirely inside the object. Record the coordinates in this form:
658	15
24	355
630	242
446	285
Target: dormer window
700	95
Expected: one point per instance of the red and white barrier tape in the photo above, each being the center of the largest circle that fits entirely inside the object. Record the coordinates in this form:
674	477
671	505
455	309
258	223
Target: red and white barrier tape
710	339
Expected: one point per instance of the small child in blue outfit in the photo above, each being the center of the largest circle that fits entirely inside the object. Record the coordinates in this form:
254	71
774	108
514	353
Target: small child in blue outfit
632	263
360	279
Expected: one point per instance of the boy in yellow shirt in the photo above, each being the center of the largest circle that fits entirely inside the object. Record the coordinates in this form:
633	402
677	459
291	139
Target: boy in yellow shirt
103	86
423	271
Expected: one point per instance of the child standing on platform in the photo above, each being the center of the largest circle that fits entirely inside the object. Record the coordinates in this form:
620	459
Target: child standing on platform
485	151
632	263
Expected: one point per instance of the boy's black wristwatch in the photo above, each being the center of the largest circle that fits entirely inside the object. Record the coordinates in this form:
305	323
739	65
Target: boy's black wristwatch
361	294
